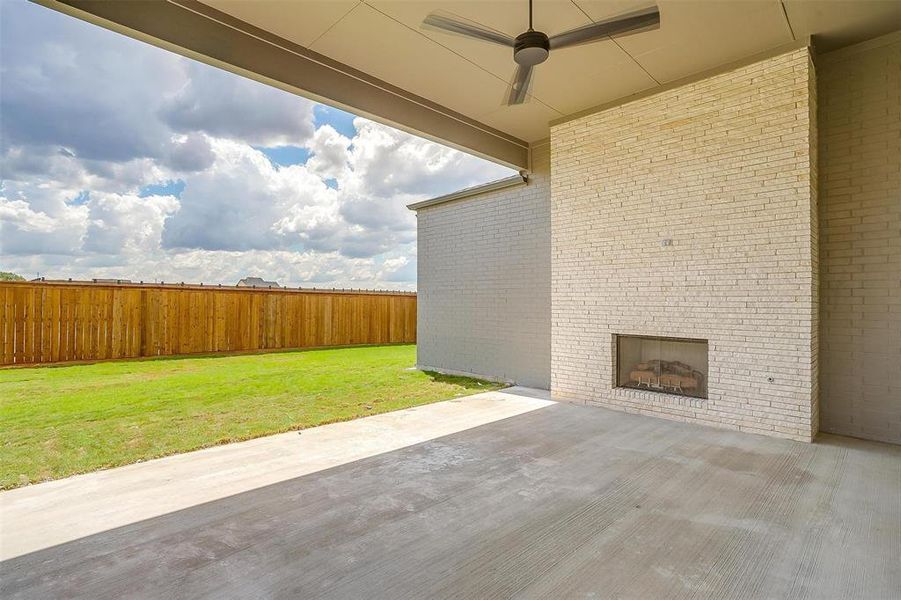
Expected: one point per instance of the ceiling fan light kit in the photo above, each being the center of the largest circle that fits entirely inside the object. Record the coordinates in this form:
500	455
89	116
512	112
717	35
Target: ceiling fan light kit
531	48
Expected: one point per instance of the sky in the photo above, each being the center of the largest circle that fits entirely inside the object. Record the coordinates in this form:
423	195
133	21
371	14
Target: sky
122	160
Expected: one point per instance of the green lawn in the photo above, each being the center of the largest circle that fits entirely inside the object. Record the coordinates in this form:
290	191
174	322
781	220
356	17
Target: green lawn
58	421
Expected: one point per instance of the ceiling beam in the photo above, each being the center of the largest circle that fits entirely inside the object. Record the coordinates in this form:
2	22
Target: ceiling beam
198	31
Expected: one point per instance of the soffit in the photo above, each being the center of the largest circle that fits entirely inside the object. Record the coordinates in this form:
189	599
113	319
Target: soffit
384	38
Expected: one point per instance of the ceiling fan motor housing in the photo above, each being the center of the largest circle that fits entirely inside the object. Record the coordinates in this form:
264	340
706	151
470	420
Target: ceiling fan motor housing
531	48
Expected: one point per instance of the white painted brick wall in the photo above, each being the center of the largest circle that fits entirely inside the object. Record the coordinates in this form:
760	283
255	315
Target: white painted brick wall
860	250
724	167
484	282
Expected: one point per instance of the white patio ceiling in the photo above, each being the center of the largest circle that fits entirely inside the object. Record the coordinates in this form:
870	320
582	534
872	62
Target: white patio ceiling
384	38
373	57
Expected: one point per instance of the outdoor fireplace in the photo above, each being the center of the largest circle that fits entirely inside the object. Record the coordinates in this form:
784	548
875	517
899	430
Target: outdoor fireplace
662	364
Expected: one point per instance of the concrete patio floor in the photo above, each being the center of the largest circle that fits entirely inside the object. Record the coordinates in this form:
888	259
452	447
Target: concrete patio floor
492	496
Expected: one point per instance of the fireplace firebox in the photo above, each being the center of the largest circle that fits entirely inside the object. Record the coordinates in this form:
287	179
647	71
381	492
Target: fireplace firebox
662	364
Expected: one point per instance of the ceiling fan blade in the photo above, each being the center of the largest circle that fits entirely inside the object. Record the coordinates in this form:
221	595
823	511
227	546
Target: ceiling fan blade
451	25
631	23
520	88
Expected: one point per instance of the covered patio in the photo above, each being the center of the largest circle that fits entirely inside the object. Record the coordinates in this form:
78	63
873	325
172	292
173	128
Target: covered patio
510	495
729	179
718	173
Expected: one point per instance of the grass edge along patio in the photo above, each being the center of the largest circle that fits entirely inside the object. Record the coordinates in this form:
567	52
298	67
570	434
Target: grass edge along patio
63	420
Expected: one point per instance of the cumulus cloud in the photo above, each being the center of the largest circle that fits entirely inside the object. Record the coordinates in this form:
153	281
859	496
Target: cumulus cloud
125	224
330	153
57	90
388	161
103	97
19	214
244	202
224	105
190	153
93	121
57	228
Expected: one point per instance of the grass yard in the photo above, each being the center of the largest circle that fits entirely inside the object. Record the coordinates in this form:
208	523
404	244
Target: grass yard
58	421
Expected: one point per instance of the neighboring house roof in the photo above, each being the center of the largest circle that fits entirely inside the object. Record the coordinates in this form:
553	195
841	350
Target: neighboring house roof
257	282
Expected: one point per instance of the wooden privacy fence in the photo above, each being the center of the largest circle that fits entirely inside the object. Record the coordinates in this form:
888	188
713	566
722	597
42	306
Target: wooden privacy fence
42	322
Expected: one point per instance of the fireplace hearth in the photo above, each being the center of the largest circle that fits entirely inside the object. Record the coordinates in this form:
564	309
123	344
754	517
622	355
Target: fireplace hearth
662	364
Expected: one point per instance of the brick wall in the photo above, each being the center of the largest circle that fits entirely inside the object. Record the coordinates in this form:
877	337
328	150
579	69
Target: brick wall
724	168
860	235
484	282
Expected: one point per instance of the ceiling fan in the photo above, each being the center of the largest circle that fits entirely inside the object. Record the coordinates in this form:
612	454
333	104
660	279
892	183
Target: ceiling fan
532	47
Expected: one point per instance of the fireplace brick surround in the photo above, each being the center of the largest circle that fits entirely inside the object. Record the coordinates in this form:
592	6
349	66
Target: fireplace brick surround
717	209
691	213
